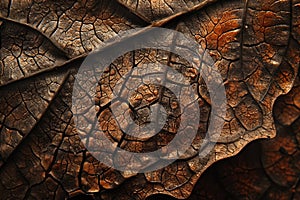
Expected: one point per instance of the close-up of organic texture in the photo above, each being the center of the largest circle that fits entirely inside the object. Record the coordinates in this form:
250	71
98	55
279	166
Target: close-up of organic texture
255	46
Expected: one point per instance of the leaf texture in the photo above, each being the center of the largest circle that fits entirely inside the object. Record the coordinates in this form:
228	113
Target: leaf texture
255	46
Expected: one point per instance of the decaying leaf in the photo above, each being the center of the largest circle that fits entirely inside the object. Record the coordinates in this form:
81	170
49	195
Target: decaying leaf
265	169
255	46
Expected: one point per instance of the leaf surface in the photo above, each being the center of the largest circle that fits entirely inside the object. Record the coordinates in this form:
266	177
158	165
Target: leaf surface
254	44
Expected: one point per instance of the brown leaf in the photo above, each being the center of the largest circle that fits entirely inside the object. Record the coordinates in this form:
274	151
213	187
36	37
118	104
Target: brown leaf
255	46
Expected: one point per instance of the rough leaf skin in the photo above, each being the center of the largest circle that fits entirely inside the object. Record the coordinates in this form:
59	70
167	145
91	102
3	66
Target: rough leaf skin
255	45
265	169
